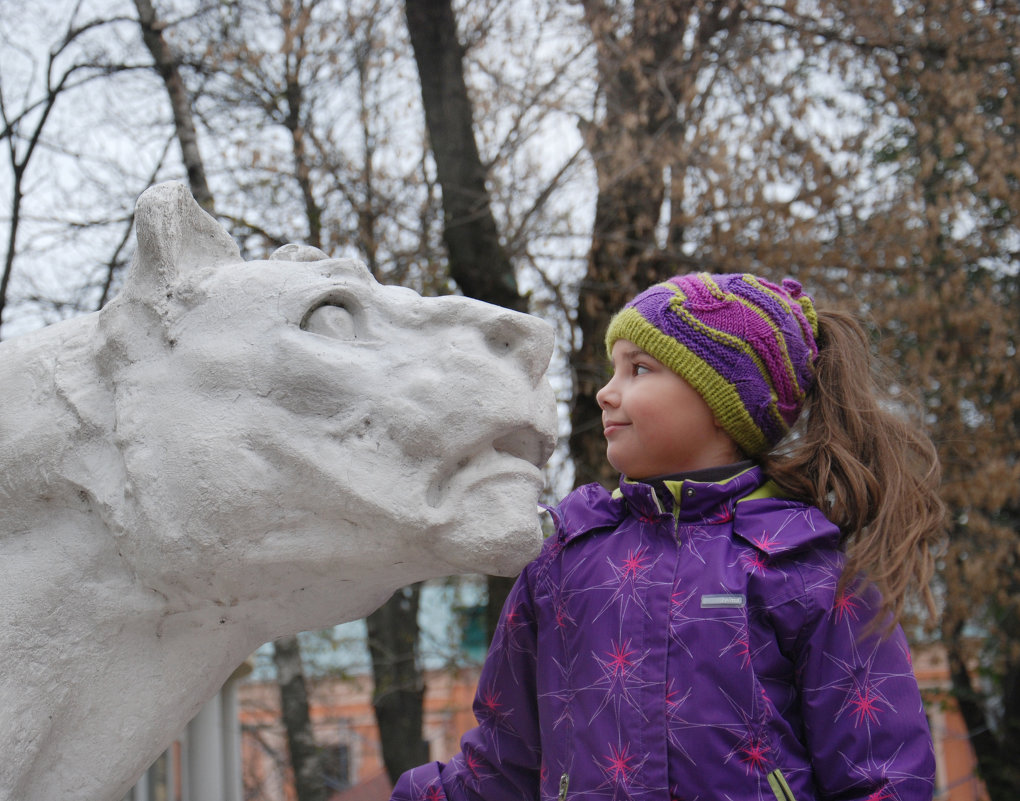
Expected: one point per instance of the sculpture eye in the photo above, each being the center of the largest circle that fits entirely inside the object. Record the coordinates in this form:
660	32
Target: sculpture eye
331	320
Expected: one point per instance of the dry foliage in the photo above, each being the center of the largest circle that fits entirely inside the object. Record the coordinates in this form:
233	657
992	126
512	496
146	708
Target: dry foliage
868	148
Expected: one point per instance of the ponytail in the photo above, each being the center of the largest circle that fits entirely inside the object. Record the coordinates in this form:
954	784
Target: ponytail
868	469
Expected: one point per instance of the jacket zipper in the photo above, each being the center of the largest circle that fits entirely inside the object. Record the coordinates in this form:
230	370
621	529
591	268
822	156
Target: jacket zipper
564	784
779	786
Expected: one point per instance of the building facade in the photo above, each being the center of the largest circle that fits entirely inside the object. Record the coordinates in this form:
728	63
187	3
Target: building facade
345	725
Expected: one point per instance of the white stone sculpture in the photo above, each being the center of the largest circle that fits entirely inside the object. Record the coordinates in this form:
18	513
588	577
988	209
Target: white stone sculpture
229	452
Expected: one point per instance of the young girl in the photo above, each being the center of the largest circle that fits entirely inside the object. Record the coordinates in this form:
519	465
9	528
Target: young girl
706	631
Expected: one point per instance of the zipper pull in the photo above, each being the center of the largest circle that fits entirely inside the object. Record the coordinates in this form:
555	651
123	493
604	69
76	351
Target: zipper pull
564	784
779	786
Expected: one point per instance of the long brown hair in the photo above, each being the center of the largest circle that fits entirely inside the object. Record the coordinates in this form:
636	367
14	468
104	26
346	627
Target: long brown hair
871	471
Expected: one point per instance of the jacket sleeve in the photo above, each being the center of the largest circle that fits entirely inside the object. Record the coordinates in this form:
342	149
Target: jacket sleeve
500	758
864	721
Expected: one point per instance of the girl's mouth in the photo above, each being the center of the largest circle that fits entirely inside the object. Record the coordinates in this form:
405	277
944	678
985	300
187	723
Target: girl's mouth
611	426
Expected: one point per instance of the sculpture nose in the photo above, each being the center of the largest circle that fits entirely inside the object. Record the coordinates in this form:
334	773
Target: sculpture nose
522	337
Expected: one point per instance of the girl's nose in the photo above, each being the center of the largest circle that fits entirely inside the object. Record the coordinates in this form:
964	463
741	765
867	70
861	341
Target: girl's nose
606	396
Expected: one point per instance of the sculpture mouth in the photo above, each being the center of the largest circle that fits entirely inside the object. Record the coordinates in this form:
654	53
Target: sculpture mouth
519	452
526	443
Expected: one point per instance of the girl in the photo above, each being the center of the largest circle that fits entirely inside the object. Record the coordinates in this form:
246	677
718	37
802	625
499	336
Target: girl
723	625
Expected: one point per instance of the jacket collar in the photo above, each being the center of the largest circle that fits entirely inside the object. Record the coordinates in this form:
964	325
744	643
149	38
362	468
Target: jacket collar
704	495
762	516
691	497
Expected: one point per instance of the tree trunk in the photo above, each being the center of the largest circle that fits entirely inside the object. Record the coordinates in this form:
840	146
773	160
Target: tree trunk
169	70
482	270
295	23
627	150
305	756
399	694
478	262
618	268
994	747
12	238
644	77
994	736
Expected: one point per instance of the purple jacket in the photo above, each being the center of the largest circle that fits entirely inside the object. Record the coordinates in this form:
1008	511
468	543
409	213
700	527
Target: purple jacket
687	639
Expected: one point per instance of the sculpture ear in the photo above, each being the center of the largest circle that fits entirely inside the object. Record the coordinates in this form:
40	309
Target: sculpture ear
174	234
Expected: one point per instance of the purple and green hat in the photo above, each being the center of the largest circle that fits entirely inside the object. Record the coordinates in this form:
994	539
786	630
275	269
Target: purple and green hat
745	344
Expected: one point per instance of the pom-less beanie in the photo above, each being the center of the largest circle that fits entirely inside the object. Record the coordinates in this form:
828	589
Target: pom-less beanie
745	344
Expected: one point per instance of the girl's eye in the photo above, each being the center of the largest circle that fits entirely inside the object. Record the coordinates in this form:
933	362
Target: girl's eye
641	369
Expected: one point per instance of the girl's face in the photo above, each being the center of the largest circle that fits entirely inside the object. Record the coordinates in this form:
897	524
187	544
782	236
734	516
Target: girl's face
655	423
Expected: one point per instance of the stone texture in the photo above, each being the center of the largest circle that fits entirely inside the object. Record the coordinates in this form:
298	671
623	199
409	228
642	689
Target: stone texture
228	452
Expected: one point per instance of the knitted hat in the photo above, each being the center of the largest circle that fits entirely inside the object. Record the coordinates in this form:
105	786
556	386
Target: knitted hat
746	345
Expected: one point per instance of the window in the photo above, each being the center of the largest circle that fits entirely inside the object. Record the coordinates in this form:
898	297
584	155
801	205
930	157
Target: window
336	766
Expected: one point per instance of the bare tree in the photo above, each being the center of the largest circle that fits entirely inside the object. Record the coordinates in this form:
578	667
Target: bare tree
477	260
347	197
398	694
481	268
901	205
305	754
947	255
25	119
168	66
478	263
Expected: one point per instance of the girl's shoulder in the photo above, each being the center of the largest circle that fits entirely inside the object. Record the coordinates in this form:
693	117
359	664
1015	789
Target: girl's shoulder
775	524
798	554
585	509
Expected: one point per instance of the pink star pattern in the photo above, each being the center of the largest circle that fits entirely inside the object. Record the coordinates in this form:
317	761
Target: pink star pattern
846	605
619	769
629	581
860	686
620	678
490	707
434	793
755	755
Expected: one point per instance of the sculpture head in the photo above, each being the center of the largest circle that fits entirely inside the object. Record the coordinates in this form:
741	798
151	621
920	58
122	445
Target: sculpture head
295	429
228	452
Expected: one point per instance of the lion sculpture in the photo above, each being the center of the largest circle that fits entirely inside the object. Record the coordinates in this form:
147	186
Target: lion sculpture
230	452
